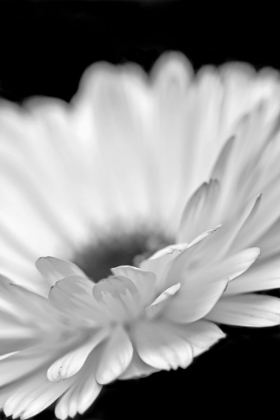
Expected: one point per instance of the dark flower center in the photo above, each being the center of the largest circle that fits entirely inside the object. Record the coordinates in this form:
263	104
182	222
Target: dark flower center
128	248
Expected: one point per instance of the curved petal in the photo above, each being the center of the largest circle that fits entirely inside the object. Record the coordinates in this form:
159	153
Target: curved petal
263	275
73	296
247	310
83	392
161	346
54	269
69	364
198	212
137	368
201	335
33	395
202	288
143	280
116	357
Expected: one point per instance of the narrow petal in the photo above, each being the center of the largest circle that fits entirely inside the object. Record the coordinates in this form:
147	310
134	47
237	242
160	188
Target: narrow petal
32	395
54	269
202	288
116	357
23	303
16	343
223	160
216	246
23	363
159	345
143	280
225	237
197	216
83	392
247	310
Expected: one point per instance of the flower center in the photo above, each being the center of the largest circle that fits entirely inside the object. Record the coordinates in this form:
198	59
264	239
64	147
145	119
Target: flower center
127	248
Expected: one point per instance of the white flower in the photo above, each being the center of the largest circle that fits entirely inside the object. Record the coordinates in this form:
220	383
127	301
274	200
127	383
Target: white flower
83	181
131	324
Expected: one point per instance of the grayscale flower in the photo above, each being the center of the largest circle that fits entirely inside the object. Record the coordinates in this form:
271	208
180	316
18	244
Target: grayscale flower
178	175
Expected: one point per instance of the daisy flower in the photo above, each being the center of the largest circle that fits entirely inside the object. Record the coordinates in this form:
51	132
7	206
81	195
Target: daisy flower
171	182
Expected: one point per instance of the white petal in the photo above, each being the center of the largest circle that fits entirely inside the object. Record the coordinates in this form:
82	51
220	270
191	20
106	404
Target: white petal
23	363
201	288
69	364
117	298
269	243
267	214
171	291
160	345
202	236
137	368
73	296
54	269
242	261
201	335
227	234
83	392
143	280
28	151
189	258
16	343
160	264
23	303
89	391
116	357
198	213
263	275
32	395
247	310
222	162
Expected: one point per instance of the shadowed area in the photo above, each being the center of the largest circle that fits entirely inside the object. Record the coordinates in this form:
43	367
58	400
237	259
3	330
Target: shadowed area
121	248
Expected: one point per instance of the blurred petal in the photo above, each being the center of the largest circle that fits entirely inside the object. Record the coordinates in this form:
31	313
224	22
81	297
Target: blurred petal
198	211
34	395
73	296
144	281
54	269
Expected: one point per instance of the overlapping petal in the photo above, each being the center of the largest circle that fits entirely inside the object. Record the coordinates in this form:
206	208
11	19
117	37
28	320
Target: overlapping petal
116	357
131	151
160	346
202	288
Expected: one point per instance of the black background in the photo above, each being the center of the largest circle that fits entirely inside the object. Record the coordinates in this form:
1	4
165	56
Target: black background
44	48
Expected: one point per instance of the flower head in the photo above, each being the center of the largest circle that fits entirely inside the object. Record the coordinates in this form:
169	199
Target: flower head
187	164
